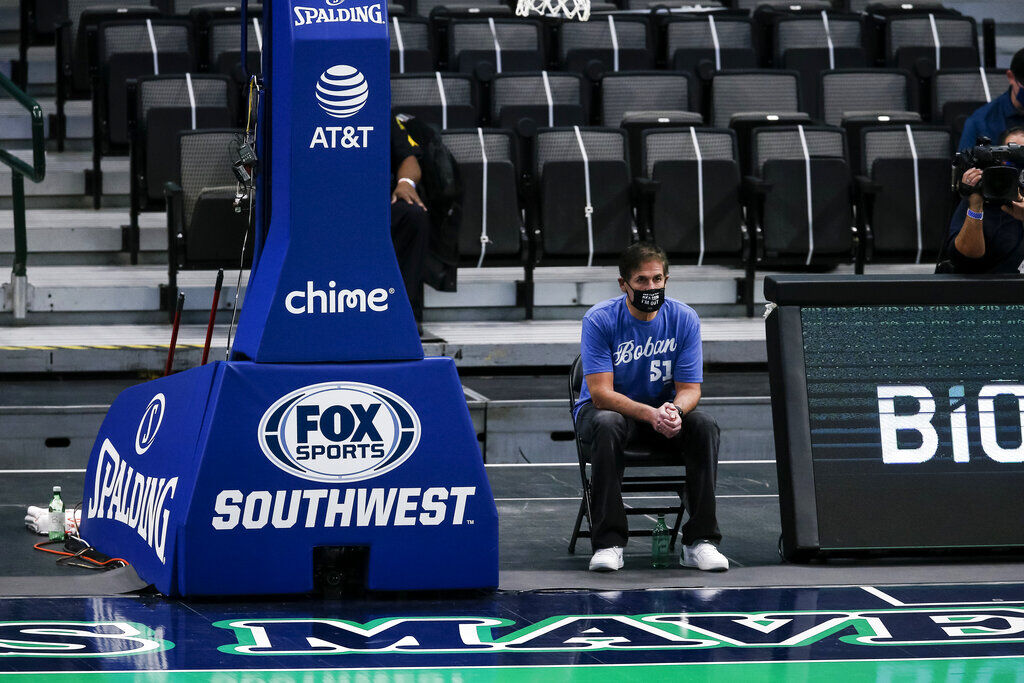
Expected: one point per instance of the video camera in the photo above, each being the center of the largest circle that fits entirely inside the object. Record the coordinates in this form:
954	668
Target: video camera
1001	167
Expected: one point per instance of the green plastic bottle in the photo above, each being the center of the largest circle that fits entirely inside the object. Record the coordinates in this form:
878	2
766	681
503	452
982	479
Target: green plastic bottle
56	516
659	544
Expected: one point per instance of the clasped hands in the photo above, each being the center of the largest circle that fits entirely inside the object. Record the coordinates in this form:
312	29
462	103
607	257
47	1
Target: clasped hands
666	420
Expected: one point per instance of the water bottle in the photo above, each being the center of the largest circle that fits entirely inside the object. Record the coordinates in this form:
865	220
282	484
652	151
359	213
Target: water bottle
659	544
56	516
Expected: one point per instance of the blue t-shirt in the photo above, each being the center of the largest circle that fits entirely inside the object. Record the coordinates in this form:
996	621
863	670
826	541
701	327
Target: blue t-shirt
990	121
647	358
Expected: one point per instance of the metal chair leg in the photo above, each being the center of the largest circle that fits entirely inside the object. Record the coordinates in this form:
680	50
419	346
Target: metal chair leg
677	526
576	529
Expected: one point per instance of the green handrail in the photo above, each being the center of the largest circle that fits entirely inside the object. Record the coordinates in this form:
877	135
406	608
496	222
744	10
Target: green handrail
20	169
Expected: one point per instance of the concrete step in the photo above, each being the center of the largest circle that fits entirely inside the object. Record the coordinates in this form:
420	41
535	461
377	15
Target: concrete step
42	60
65	176
67	237
112	348
98	294
16	125
89	289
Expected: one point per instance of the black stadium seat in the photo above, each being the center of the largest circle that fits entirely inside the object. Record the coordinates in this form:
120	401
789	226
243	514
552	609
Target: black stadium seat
659	4
904	212
696	212
608	43
922	44
86	15
747	99
547	98
622	93
865	90
222	47
184	7
765	14
802	190
781	161
811	44
859	98
127	50
503	45
73	58
412	49
161	107
203	229
639	100
491	230
720	42
702	45
742	91
584	194
956	93
425	8
442	100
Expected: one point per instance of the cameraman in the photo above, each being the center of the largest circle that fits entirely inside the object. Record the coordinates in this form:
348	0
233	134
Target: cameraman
1006	111
987	237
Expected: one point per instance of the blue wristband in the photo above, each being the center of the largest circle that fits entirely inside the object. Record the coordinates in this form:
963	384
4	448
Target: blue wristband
976	215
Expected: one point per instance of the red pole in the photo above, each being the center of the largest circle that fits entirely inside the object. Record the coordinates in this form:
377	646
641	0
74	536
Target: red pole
213	313
174	333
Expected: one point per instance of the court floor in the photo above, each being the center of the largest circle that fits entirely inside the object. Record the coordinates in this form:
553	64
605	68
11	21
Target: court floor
867	633
938	619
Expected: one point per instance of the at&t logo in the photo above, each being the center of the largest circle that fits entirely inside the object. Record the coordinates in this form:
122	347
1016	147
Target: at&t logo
150	423
342	91
339	432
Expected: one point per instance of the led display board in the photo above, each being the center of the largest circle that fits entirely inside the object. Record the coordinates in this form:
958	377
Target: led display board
898	406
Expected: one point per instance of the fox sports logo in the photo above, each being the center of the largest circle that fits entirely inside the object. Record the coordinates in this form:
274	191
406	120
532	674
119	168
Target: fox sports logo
342	91
339	432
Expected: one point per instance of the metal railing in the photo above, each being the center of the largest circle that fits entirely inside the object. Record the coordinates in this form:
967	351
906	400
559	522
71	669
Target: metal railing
20	169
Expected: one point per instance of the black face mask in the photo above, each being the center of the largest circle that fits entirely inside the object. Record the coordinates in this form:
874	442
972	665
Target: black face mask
648	300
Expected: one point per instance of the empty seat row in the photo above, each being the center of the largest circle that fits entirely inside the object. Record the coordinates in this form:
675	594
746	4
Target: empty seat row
806	40
100	46
572	200
845	97
796	208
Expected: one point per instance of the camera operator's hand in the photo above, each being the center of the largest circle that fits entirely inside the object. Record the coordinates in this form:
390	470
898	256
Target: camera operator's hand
1016	209
972	178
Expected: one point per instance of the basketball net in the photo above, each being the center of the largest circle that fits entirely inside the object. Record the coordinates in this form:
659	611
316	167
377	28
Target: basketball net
570	9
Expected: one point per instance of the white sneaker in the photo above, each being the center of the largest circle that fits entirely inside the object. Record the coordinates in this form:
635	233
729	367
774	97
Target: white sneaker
704	556
606	560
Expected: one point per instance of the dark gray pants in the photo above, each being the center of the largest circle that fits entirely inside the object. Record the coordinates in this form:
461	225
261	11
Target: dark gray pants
410	235
606	433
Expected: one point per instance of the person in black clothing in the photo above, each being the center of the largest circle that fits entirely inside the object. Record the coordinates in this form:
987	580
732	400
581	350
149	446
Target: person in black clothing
987	238
410	225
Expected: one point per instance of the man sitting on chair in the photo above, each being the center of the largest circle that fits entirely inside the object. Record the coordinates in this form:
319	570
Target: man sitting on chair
642	366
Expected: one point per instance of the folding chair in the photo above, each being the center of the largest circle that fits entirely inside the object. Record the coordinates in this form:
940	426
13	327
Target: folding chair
635	457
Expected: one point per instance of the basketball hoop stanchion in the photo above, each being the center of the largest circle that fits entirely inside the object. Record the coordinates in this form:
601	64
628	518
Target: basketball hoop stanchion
570	9
327	434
